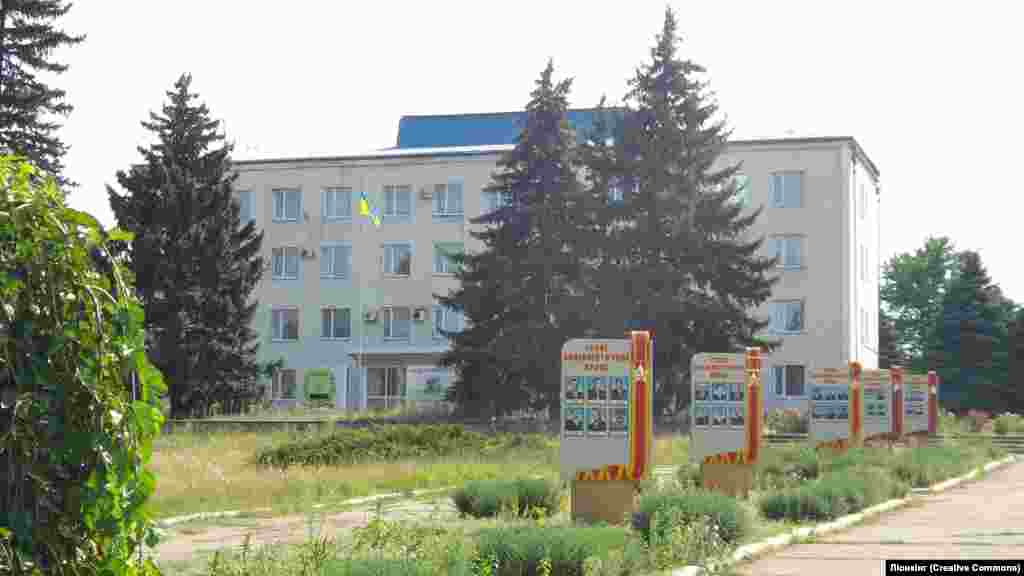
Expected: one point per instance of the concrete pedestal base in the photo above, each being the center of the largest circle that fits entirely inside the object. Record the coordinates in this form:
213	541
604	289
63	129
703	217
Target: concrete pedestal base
611	501
733	479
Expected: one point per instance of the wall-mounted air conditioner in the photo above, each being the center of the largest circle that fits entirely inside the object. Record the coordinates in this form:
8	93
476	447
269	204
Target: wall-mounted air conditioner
426	193
308	254
370	316
419	314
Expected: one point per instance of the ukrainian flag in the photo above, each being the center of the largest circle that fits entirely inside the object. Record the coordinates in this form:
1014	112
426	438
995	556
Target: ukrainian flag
365	210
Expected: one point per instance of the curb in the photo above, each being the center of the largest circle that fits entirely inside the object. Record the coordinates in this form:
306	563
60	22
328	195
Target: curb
782	541
168	522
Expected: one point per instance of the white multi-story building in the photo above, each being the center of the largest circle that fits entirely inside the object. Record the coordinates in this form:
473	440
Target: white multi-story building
350	306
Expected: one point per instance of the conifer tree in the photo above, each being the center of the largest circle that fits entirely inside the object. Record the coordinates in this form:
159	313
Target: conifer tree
511	292
674	252
28	104
195	265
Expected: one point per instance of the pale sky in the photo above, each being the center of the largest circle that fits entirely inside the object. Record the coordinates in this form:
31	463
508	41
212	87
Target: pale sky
931	90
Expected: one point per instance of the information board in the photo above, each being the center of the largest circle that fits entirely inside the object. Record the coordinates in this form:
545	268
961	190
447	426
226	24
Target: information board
877	387
599	408
915	403
830	418
718	409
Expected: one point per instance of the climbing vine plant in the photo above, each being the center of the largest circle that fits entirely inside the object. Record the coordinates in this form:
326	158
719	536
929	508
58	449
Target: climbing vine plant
78	398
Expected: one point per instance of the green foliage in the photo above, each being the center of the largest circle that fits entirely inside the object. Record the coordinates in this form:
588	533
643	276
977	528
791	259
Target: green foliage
520	497
28	104
689	475
1009	424
832	496
686	506
388	443
79	404
196	264
784	466
788	421
520	550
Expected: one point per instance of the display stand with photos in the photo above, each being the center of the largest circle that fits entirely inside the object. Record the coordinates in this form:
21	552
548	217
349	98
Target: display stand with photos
916	409
607	423
878	416
726	412
834	407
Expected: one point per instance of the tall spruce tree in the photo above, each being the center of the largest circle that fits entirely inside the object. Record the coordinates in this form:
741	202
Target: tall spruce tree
511	292
28	105
672	248
889	354
966	342
195	265
1013	393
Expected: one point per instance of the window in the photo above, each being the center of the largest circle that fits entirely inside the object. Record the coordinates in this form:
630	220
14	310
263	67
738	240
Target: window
742	194
788	380
787	316
443	253
397	323
448	199
788	249
786	189
335	261
398	259
337	203
286	262
283	385
245	208
385	388
446	319
335	323
491	200
284	324
287	205
397	200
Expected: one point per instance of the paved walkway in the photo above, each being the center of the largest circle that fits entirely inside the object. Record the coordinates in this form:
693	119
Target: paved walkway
977	520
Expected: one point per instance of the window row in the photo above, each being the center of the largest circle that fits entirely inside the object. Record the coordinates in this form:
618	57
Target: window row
336	260
336	323
386	387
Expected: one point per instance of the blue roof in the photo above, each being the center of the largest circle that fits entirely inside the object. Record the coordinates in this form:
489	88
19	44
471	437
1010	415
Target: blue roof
476	129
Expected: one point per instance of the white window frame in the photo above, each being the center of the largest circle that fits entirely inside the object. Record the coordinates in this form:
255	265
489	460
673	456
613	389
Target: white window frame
779	385
279	334
336	193
394	396
779	311
785	198
282	214
332	312
284	251
393	191
389	247
442	199
443	265
494	200
328	252
388	320
780	246
446	315
246	216
277	389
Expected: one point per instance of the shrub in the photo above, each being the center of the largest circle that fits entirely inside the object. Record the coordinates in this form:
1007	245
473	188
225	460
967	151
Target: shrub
688	476
488	498
393	442
778	467
1008	424
788	421
75	444
850	491
563	549
687	507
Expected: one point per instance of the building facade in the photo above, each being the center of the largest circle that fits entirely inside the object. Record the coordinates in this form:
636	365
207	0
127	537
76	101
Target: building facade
350	306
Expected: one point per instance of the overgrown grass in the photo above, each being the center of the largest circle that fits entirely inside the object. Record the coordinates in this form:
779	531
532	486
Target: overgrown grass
520	497
1008	424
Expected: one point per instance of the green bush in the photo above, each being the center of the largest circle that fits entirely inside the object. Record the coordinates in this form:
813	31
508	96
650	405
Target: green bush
395	567
564	550
75	443
722	511
833	496
779	467
788	421
488	498
688	475
393	442
1008	424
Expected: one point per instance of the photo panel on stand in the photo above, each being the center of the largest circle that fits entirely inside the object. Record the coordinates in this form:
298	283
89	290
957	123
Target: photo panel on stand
700	416
618	389
719	392
571	388
736	421
844	412
817	394
575	423
619	420
597	421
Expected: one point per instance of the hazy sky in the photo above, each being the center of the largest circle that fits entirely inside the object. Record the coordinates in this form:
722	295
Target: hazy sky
932	90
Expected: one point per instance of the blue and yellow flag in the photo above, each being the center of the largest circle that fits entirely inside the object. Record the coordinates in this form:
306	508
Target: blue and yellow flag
366	210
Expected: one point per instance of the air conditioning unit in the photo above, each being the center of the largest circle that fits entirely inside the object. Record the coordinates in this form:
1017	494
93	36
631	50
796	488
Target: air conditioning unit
308	254
426	193
419	314
370	316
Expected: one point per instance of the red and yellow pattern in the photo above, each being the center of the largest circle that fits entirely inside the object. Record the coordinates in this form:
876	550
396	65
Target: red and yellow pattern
754	407
856	403
839	444
933	402
610	472
640	418
896	379
737	457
